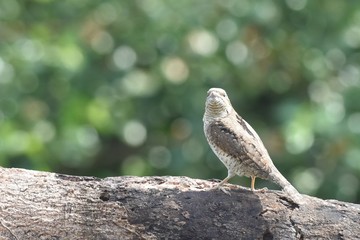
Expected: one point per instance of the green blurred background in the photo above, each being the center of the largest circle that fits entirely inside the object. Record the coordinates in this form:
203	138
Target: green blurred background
110	87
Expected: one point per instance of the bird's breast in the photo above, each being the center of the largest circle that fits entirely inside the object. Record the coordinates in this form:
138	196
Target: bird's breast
227	146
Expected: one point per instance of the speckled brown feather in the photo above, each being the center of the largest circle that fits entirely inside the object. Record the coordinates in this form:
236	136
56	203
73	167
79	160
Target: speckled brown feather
242	149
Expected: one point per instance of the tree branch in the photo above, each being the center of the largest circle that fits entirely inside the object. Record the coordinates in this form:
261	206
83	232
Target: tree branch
41	205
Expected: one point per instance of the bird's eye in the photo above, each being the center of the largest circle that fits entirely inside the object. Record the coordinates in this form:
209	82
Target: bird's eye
223	94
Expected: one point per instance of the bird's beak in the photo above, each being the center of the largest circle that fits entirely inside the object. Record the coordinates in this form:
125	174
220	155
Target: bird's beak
211	94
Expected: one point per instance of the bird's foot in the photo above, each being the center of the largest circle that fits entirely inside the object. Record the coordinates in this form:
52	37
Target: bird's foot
262	190
224	191
222	188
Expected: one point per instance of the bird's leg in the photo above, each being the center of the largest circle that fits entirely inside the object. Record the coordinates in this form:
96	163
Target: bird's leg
253	183
223	182
219	186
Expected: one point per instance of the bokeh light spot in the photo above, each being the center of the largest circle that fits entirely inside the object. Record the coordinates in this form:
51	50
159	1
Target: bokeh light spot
309	180
138	83
352	36
203	42
335	110
181	128
44	130
267	11
102	42
315	61
18	142
70	56
30	50
236	52
159	157
319	91
296	5
34	109
350	76
87	137
353	123
98	113
106	13
226	29
134	133
175	70
124	57
352	158
335	58
299	138
192	150
6	72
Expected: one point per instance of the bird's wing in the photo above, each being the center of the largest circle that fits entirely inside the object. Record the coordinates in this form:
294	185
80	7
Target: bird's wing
248	129
253	144
240	142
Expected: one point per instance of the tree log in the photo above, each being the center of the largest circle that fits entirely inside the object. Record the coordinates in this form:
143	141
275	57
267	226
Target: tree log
42	205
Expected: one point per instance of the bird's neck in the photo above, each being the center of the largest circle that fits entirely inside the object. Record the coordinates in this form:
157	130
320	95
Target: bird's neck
213	113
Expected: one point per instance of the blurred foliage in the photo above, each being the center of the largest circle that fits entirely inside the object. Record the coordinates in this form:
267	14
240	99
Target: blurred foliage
118	87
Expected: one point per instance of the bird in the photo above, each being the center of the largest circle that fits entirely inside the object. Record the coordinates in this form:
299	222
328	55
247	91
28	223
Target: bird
238	146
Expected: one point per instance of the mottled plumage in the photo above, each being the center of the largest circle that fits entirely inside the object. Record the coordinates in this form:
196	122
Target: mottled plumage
237	144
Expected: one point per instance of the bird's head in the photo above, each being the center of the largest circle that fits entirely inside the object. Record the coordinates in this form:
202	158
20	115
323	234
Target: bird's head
217	104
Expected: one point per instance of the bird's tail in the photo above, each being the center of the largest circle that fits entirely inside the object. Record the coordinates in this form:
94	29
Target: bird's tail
280	180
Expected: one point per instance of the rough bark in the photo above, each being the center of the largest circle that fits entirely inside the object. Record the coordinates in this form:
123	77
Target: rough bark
41	205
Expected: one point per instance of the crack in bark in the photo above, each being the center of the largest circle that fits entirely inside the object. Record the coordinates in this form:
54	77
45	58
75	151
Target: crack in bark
105	196
76	178
298	233
7	228
287	202
268	235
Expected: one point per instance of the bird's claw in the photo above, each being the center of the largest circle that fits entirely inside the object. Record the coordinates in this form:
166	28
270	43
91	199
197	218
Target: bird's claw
223	189
262	190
